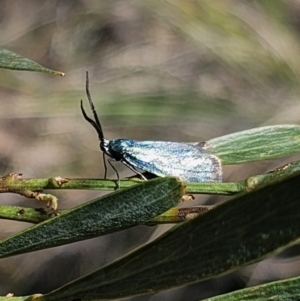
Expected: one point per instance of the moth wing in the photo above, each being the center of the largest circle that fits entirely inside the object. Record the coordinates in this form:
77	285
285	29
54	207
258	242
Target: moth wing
192	164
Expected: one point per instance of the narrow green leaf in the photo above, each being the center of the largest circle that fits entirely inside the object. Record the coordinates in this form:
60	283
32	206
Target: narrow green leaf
22	298
283	290
239	232
10	60
113	212
263	143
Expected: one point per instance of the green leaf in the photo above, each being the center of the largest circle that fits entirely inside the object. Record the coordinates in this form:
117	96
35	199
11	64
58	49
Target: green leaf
236	233
113	212
263	143
22	298
10	60
283	290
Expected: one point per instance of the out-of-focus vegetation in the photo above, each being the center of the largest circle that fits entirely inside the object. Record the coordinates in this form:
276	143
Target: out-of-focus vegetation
159	70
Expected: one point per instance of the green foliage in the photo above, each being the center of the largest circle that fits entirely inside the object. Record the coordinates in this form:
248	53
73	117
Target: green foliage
241	231
254	224
284	290
114	212
10	60
263	143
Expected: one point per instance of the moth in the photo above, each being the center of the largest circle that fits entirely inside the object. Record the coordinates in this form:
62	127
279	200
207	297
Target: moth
188	161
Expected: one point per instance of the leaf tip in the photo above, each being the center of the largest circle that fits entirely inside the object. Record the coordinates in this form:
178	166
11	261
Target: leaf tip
37	297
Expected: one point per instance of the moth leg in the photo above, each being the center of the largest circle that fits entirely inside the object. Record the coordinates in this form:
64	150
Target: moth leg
131	167
105	166
112	166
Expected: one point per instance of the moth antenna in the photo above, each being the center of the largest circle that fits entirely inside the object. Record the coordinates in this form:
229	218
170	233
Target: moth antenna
87	118
95	123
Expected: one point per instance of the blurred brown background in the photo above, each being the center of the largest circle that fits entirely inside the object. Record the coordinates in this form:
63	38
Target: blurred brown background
159	70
